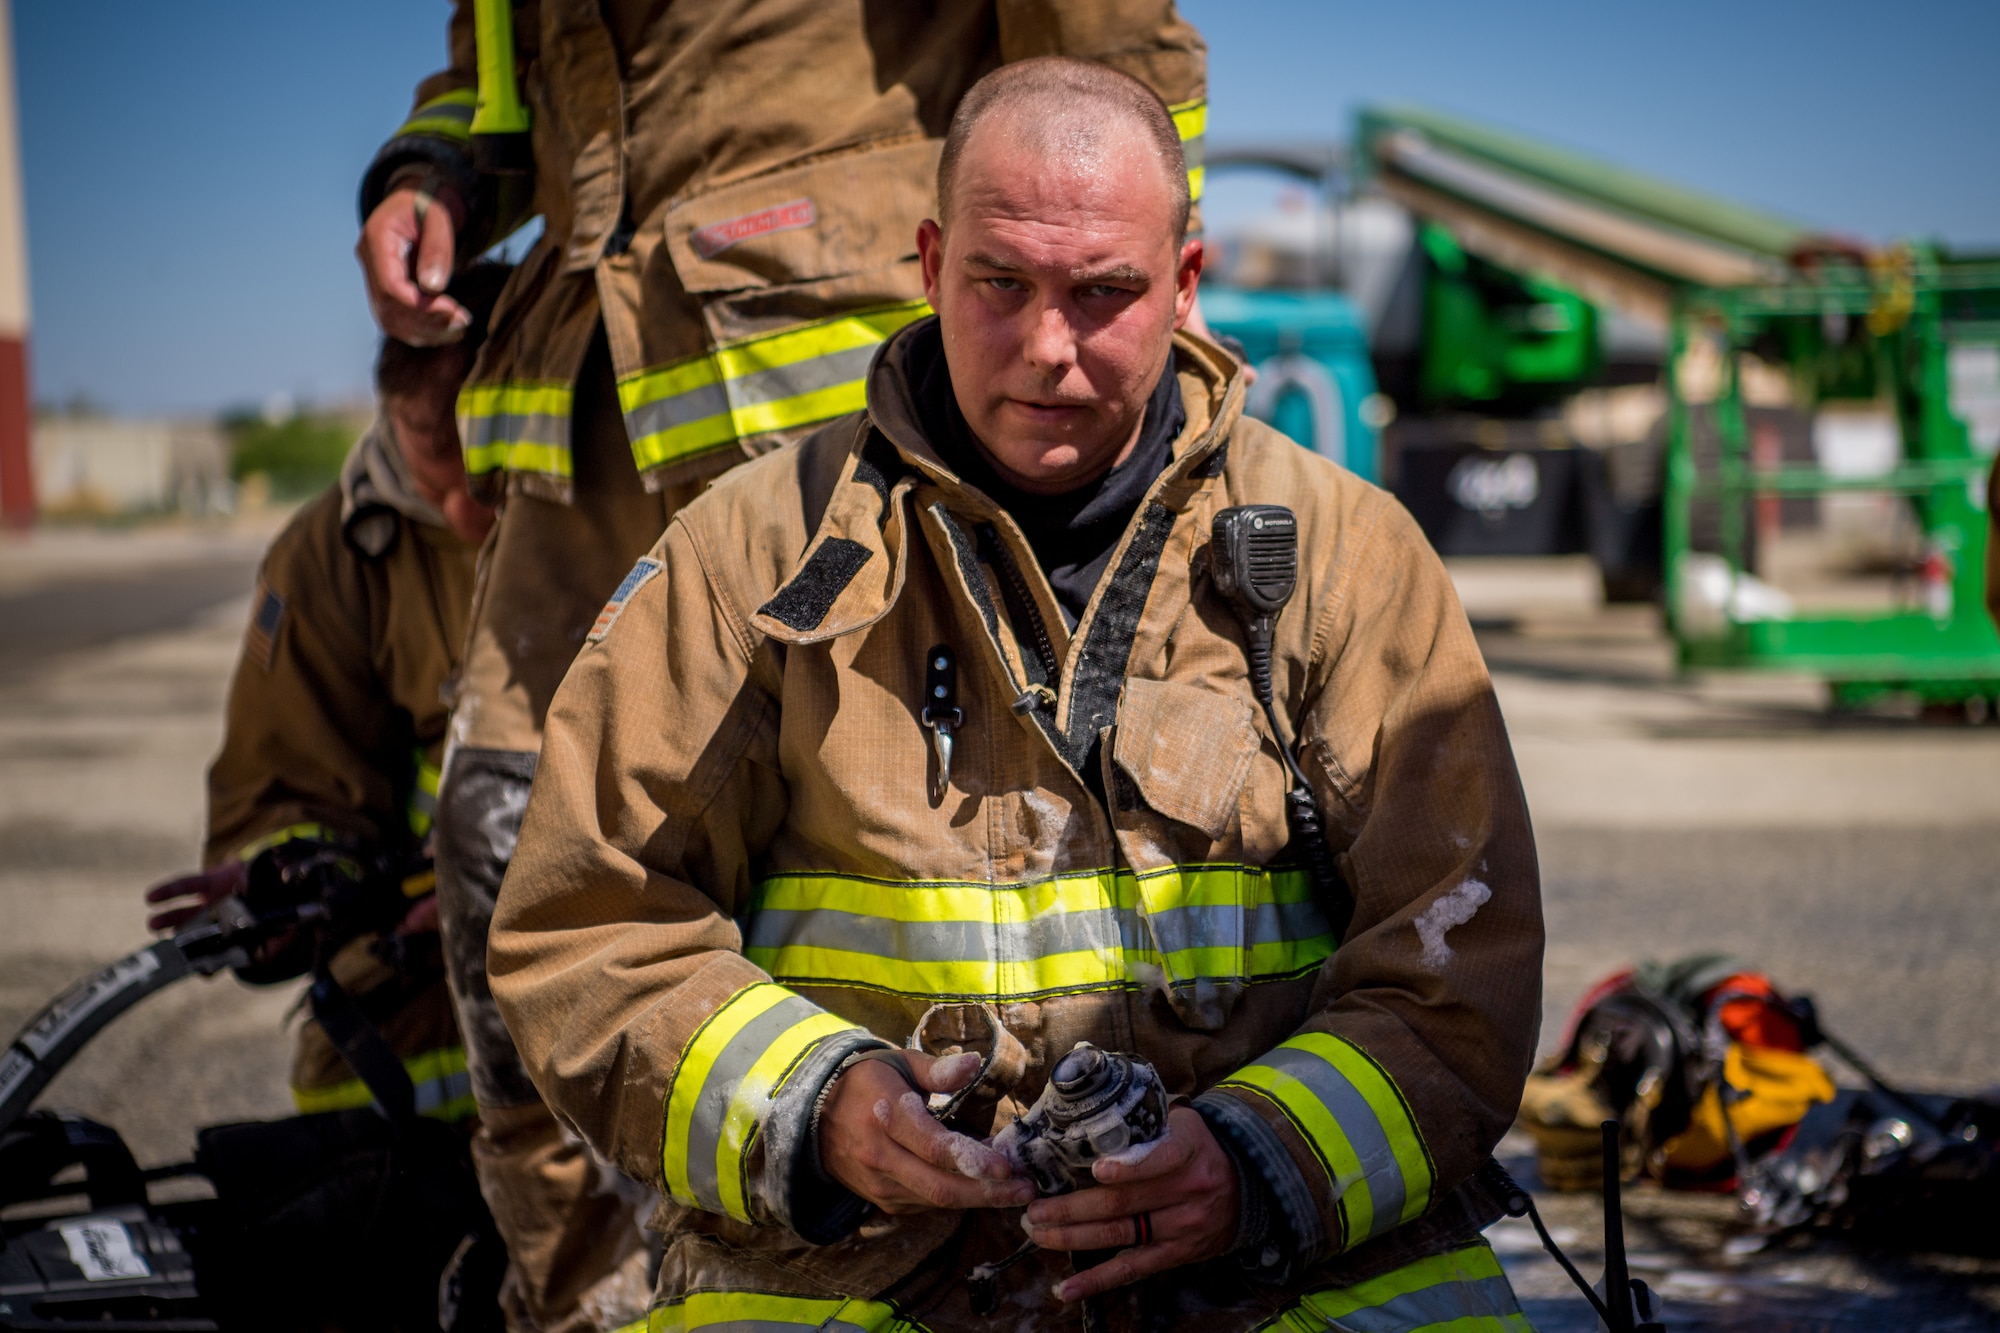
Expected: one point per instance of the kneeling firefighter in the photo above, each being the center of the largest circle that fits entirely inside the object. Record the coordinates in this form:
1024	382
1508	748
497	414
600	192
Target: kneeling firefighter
1051	717
337	711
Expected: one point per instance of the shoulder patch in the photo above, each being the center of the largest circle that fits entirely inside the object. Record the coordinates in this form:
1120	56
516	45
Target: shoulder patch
641	574
260	641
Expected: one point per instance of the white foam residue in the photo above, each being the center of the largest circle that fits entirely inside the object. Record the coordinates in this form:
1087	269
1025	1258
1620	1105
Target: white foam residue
1454	909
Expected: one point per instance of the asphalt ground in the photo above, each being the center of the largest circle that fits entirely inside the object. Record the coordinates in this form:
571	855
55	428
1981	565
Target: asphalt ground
1851	856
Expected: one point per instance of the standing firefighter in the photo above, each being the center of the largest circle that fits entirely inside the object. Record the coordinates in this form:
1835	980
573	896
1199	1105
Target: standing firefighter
1047	700
336	722
728	194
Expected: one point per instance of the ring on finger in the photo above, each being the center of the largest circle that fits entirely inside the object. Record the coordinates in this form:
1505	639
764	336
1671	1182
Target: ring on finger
1142	1229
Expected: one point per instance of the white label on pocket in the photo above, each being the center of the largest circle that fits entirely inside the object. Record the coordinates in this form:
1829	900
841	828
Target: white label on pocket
103	1250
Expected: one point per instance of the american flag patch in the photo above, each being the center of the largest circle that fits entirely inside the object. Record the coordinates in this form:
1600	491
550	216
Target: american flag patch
712	240
637	579
260	642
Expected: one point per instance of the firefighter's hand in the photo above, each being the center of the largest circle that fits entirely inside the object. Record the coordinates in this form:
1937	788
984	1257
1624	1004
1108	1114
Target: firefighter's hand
191	895
878	1138
1183	1184
406	253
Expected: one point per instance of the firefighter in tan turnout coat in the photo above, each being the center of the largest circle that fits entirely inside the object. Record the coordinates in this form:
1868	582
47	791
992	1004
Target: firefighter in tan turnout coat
336	718
728	195
748	860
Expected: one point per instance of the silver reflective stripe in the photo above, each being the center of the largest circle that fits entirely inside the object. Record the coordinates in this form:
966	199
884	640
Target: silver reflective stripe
1226	924
801	377
527	427
711	1109
1358	1121
1051	933
710	400
433	1094
935	941
1490	1297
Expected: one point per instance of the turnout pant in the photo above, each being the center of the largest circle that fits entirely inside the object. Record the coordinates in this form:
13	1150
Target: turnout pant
579	1260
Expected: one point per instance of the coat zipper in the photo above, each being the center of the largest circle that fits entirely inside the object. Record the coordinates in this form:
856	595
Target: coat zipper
1021	607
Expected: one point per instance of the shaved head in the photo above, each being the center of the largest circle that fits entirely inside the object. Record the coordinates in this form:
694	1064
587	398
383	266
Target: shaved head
1059	266
1069	114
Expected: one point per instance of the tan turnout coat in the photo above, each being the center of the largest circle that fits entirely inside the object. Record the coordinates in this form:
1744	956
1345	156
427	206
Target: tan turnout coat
335	729
732	873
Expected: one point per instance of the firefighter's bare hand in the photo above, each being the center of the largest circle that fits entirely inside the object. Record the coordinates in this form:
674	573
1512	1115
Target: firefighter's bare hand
189	896
1184	1184
878	1138
407	253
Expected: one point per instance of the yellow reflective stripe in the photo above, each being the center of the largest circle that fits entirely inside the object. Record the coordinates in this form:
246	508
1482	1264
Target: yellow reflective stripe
1094	929
423	795
1413	1159
752	1098
249	851
518	426
1462	1291
722	1088
500	110
518	456
444	1088
1191	121
840	334
669	381
775	381
1190	118
1323	1134
685	441
516	398
1357	1121
448	116
766	1312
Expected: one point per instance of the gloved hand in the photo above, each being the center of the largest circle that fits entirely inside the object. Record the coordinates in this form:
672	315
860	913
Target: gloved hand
407	250
191	895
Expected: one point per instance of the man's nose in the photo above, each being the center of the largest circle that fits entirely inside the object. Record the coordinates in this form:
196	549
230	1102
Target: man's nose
1051	342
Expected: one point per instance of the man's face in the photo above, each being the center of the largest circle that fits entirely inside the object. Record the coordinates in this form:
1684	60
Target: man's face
1058	286
426	430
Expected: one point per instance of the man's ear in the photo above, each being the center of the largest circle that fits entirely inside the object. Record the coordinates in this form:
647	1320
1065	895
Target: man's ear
930	257
1187	278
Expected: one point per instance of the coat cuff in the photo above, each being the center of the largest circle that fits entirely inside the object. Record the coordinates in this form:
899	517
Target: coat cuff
1279	1234
739	1110
809	1201
1346	1132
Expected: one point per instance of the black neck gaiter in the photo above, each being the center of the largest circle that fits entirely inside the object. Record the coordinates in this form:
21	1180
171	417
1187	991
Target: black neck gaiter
1073	534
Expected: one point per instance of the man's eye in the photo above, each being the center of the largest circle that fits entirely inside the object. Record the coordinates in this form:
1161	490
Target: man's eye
1102	290
1005	284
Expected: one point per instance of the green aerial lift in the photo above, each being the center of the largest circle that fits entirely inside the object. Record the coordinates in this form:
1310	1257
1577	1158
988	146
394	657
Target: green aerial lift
1912	332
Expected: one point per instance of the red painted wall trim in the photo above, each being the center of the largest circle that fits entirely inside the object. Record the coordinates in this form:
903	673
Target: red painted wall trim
17	468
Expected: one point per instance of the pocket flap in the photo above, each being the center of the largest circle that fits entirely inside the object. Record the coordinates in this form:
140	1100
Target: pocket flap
845	214
1187	749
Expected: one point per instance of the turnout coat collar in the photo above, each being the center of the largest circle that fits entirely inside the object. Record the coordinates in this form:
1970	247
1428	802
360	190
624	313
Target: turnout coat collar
868	517
894	483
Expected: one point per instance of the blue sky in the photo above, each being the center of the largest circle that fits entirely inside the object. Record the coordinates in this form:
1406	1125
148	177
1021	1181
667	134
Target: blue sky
191	168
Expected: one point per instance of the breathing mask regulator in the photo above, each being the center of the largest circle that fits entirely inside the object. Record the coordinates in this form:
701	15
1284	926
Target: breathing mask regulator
1254	558
1096	1104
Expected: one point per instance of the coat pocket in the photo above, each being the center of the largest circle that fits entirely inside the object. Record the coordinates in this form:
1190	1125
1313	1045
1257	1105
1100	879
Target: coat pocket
849	213
1188	750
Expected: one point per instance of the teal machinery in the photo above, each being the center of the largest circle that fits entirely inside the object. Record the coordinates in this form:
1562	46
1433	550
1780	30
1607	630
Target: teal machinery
1309	345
